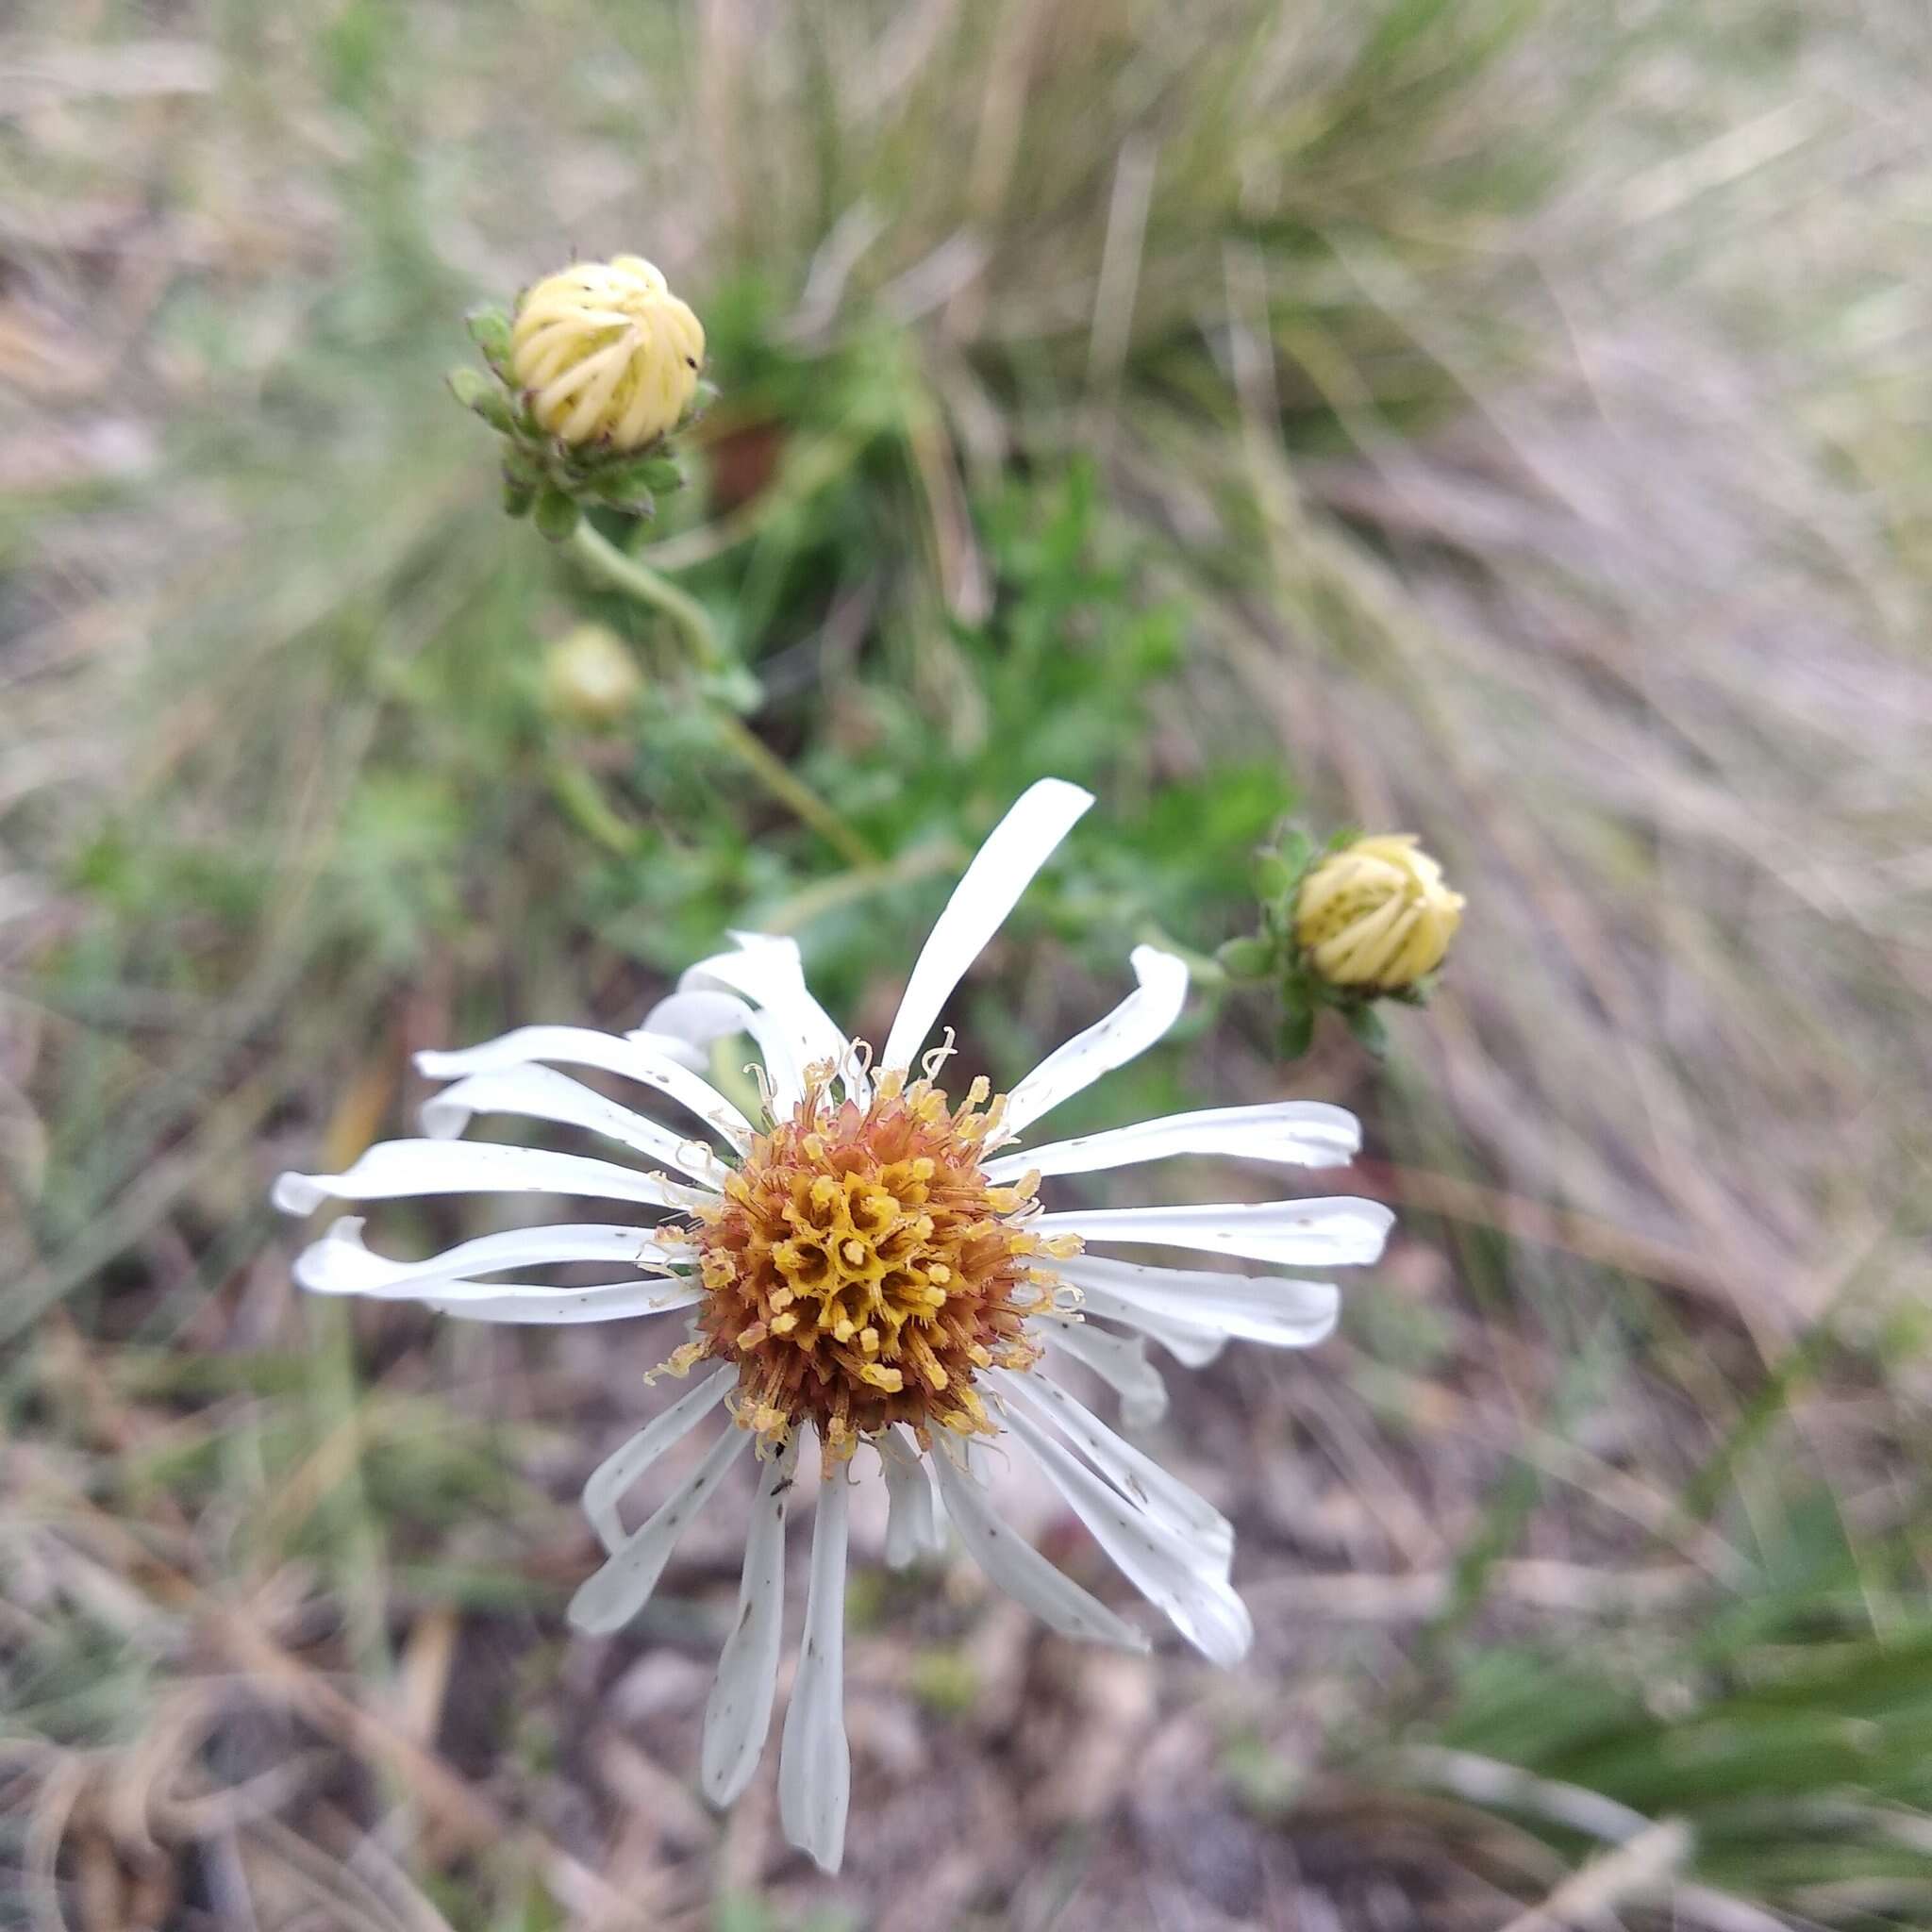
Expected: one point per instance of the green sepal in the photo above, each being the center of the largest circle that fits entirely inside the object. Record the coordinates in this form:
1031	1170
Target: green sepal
1297	1032
1296	849
703	396
637	502
556	515
1247	958
484	398
518	495
468	387
490	329
1366	1024
1273	879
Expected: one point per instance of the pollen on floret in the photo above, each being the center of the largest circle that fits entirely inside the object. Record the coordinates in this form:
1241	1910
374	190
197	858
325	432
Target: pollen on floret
860	1270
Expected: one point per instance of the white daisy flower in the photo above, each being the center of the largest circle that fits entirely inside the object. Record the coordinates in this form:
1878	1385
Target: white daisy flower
868	1266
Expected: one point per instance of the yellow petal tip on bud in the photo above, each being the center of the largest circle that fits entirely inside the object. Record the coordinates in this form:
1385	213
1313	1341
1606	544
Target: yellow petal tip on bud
606	354
591	679
1376	916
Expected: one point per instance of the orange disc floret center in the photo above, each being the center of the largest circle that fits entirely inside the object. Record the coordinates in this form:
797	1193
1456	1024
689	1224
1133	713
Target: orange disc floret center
861	1269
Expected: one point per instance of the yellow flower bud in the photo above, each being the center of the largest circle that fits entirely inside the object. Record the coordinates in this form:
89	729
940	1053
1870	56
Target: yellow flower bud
590	678
1377	917
606	353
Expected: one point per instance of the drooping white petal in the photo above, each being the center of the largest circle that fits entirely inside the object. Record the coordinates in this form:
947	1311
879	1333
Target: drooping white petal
1129	1030
911	1524
784	1070
561	1307
1280	1310
393	1168
1186	1341
1140	1478
689	1023
1184	1580
641	1057
610	1597
815	1764
1335	1232
738	1715
626	1464
1013	1564
339	1264
1002	867
768	970
1120	1362
541	1094
1290	1133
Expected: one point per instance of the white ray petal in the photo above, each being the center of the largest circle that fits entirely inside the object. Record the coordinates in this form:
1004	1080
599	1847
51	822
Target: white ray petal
1120	1362
695	1022
610	1597
1186	1341
1281	1310
1000	871
737	1714
911	1524
1185	1581
1334	1232
562	1307
1290	1133
393	1168
768	970
339	1264
814	1762
1138	1477
626	1464
1129	1030
779	1053
1016	1566
641	1057
541	1094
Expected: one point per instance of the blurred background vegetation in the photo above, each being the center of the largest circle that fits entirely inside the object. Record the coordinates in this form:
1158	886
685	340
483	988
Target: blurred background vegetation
1502	420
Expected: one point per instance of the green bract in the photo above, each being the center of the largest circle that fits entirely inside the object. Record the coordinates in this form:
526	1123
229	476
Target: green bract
544	477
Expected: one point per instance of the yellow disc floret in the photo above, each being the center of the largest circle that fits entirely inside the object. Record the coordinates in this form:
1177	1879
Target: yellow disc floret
1376	916
606	354
861	1270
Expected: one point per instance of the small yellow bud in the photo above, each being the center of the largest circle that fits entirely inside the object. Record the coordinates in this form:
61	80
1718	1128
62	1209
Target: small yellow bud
606	353
1377	917
590	678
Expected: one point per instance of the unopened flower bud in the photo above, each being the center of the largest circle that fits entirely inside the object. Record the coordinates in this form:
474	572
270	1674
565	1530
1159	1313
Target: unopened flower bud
590	679
1376	916
606	354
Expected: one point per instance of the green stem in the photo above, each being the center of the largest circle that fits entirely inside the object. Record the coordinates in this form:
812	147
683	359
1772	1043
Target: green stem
624	573
790	790
1211	975
638	580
